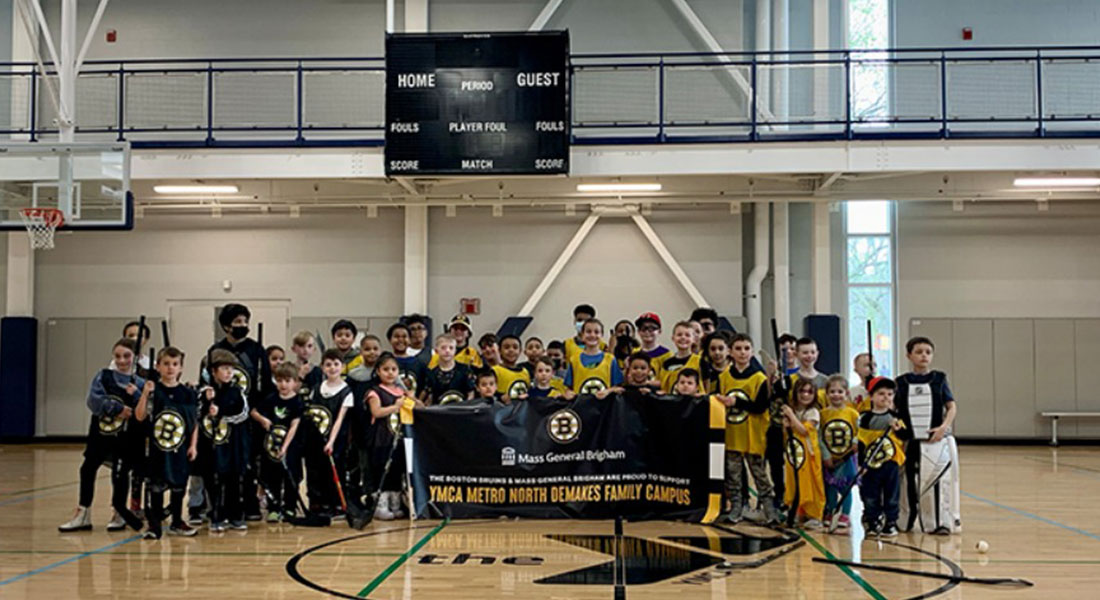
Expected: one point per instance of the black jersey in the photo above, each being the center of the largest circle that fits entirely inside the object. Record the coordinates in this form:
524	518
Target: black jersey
445	387
281	412
174	414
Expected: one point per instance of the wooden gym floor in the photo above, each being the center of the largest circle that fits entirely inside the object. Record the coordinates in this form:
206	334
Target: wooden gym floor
1035	506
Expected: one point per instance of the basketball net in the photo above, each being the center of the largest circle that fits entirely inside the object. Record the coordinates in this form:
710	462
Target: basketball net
41	224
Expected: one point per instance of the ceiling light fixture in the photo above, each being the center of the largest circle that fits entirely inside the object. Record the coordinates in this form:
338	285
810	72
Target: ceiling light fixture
196	189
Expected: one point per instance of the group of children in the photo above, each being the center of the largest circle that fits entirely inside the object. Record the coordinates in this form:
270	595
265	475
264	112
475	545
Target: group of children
260	419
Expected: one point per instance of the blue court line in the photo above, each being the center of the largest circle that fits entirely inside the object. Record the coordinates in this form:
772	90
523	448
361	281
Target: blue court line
68	560
32	497
1034	516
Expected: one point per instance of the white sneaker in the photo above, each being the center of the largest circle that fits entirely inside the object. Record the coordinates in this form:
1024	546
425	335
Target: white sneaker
382	510
397	506
81	521
117	523
812	525
754	514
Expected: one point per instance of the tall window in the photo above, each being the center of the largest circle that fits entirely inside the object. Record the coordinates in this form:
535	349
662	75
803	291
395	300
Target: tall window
869	28
869	237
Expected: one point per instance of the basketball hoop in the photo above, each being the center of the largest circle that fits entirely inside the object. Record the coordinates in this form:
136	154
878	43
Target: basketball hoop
41	224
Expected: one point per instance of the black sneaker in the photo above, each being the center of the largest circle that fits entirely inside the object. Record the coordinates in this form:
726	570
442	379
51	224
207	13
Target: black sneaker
196	518
151	535
253	517
870	530
890	531
182	529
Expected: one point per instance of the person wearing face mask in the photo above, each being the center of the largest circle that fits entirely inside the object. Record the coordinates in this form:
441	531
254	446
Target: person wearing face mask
555	351
575	344
253	375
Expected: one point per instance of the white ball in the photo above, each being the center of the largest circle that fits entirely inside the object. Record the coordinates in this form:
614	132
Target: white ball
983	546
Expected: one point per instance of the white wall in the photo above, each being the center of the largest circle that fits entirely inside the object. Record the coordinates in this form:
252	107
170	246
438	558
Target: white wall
999	260
502	260
938	23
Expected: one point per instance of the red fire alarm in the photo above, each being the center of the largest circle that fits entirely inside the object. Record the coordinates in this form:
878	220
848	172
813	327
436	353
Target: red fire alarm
470	306
112	36
968	33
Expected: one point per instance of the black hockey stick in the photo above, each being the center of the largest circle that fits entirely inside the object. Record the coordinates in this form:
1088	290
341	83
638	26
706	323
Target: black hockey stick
783	388
1013	581
308	519
870	357
164	333
372	502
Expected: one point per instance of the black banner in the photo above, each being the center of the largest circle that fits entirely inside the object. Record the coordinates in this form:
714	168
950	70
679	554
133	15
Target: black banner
636	456
477	104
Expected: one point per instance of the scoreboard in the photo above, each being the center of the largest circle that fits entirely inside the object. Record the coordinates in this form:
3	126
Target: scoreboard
477	104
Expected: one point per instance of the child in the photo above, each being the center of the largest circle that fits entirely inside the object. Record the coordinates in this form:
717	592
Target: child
275	356
863	367
533	350
803	454
622	342
173	444
385	400
464	353
838	447
879	486
490	350
555	351
418	338
512	380
683	337
361	370
649	330
582	313
687	382
638	374
413	371
362	376
545	384
707	318
254	377
449	381
696	337
224	413
279	417
325	434
806	351
716	360
485	388
774	454
592	371
112	397
926	406
343	339
744	390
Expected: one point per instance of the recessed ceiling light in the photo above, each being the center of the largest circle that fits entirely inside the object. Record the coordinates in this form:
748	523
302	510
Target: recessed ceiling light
1056	182
618	187
195	189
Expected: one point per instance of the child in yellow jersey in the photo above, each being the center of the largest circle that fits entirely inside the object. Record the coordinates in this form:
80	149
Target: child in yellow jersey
715	360
838	447
532	349
649	329
545	384
687	383
881	483
683	337
582	313
465	353
803	454
512	379
807	353
592	371
743	388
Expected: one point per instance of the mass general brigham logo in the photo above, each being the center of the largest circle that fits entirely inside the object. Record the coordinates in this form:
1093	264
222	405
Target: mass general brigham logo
563	426
508	456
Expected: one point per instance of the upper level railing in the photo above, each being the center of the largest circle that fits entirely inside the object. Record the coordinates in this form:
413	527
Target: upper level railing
642	98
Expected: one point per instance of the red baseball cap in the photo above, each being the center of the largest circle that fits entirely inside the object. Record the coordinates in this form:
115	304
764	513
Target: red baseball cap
647	316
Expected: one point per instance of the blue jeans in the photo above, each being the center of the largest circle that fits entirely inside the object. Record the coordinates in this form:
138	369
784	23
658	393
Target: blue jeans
879	491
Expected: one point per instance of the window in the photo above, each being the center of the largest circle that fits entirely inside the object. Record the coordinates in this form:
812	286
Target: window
869	272
869	28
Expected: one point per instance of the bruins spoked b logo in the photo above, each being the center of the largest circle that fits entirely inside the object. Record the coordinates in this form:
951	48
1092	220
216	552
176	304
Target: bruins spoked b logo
451	396
111	425
593	385
168	430
215	429
241	380
563	426
410	381
795	453
838	436
884	454
394	422
736	414
273	441
320	416
517	389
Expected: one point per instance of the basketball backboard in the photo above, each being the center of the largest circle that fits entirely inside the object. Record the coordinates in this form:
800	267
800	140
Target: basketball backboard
89	182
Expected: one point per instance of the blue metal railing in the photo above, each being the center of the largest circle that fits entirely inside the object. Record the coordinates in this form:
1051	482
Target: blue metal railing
641	98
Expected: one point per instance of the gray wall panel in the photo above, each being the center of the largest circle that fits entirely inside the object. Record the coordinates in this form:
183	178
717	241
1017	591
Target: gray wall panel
1055	368
1014	377
972	376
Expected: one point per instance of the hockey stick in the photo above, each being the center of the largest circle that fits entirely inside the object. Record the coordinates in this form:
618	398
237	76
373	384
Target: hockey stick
372	503
1013	581
352	512
164	333
307	519
870	356
834	521
783	387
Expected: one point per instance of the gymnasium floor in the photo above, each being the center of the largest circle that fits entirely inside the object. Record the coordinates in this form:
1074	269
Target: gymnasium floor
1034	505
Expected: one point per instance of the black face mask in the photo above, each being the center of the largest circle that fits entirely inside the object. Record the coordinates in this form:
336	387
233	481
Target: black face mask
239	332
557	363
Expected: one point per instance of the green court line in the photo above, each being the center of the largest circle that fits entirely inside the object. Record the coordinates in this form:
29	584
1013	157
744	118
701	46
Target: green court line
863	583
377	581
